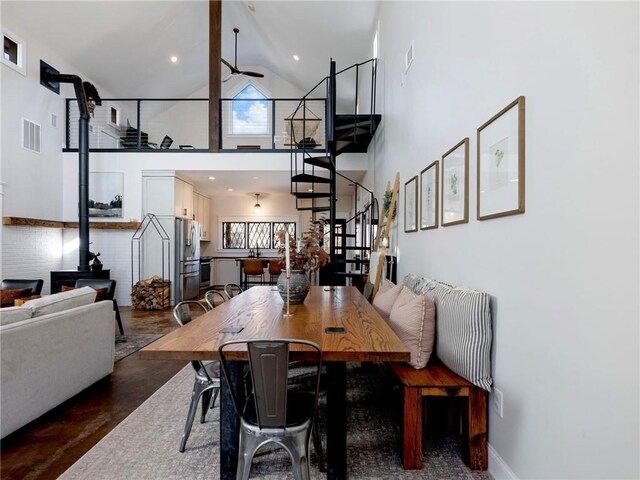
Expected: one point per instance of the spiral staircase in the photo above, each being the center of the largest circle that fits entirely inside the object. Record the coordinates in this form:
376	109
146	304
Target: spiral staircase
314	177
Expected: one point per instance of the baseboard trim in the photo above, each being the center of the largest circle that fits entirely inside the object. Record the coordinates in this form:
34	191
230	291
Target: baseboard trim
498	468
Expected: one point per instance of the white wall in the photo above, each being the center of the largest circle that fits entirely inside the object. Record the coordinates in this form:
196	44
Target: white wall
564	275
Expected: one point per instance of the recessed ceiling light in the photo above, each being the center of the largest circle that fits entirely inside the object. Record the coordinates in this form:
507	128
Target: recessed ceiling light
296	58
251	7
255	178
212	178
229	189
310	190
174	59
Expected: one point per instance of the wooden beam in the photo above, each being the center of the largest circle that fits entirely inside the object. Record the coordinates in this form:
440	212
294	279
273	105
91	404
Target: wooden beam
215	81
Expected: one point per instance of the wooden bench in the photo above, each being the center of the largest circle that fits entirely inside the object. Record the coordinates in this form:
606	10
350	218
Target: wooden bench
436	380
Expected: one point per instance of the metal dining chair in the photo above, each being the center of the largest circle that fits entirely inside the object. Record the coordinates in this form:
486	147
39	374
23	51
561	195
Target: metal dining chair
232	289
207	376
272	411
209	297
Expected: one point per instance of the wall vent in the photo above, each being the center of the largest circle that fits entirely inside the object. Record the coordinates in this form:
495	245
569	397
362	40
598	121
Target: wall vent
30	136
54	120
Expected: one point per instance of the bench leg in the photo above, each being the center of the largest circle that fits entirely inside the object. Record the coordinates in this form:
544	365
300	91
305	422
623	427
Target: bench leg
477	424
412	431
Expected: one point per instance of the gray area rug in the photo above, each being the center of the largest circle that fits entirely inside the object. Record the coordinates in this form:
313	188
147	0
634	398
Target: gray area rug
145	444
128	344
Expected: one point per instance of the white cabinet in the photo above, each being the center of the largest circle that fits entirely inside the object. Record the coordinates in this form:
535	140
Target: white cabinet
166	195
226	270
202	213
183	199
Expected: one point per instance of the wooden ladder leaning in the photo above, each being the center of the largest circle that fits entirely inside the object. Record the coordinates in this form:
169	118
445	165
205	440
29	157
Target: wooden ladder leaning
386	225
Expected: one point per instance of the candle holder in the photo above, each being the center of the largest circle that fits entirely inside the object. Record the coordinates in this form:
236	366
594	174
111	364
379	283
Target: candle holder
288	313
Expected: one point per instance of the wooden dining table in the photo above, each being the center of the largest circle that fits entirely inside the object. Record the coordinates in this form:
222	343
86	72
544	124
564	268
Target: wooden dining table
259	312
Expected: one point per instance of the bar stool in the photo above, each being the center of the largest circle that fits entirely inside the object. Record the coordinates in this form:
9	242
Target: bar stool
275	268
253	269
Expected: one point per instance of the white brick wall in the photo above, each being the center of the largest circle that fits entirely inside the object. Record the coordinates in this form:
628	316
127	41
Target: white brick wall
115	254
31	252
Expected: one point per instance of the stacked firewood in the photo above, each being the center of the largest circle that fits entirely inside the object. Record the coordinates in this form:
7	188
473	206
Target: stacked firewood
151	294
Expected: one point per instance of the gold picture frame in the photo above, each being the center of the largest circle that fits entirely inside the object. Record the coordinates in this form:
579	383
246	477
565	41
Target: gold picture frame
500	179
411	205
454	191
429	196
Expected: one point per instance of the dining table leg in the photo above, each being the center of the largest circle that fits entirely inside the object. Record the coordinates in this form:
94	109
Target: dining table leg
336	420
229	421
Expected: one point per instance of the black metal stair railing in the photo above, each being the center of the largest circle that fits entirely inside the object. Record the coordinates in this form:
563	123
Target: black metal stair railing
308	184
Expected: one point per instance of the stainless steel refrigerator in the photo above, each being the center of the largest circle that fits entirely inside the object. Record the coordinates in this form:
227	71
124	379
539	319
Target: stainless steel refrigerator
187	259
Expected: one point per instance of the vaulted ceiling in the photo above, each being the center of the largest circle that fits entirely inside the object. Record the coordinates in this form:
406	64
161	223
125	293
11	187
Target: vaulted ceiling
125	46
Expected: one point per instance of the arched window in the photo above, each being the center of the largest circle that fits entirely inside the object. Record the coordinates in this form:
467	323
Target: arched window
250	113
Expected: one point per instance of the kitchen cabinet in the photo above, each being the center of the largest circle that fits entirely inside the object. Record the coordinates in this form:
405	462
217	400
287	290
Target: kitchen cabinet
225	270
164	194
202	214
183	199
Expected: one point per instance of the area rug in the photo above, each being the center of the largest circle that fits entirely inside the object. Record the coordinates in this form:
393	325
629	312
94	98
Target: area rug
145	444
128	344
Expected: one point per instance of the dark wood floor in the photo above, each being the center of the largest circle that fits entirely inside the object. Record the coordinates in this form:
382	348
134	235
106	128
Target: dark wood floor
46	447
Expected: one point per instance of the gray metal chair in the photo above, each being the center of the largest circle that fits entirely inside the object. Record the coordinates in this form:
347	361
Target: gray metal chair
273	411
209	297
232	289
207	379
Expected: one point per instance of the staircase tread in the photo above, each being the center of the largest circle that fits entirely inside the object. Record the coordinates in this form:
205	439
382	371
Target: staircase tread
307	178
311	195
314	209
346	126
322	162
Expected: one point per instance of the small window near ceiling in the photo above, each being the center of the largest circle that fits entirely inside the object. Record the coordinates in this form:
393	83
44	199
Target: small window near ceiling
14	52
250	113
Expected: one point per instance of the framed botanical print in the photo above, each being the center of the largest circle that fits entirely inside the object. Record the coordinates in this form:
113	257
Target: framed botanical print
429	196
501	163
455	185
411	205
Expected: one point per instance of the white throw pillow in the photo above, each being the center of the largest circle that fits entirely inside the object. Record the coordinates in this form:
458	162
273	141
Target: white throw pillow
413	320
385	298
59	302
14	314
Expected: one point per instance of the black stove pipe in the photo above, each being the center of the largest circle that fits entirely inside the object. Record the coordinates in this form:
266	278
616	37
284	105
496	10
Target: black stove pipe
83	161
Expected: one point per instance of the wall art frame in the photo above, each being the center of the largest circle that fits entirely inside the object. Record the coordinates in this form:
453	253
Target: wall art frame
106	190
501	166
430	196
411	205
454	190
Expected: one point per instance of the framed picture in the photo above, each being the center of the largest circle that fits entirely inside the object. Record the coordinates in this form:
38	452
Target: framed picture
429	196
455	185
501	163
411	205
105	194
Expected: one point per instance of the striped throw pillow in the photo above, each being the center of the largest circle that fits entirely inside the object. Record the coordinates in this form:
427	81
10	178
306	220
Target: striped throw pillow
463	340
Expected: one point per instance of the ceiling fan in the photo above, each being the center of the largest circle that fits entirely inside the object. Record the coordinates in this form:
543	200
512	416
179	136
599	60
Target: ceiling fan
234	68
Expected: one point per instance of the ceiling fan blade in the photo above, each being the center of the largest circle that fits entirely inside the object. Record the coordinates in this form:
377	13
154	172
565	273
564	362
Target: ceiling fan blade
253	74
227	64
227	78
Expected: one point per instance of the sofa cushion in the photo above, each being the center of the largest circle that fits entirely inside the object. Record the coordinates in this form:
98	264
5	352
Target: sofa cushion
386	297
464	333
7	297
101	293
14	314
59	302
412	318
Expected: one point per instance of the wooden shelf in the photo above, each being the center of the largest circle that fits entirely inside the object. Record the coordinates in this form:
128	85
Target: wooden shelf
36	222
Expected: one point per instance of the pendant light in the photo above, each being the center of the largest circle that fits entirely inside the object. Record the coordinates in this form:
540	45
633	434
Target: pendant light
257	207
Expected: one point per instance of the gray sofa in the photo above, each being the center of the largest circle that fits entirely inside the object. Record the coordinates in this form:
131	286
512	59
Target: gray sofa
51	349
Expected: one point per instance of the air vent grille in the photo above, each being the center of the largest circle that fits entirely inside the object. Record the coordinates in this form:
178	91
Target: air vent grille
30	136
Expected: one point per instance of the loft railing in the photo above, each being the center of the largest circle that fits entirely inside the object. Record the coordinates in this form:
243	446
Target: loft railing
169	124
